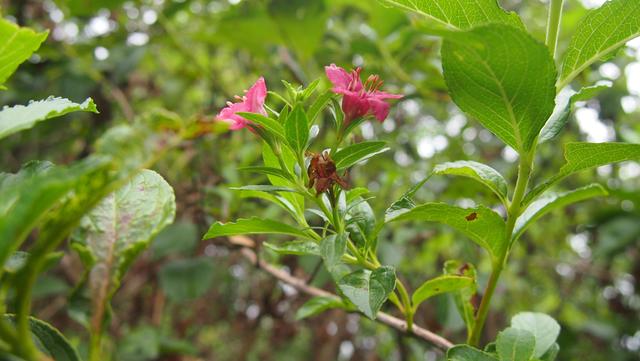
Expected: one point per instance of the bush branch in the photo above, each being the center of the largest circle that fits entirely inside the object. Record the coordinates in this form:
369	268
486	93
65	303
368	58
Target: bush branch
300	285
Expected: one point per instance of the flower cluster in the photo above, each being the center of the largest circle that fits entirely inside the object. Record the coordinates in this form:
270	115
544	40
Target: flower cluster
359	99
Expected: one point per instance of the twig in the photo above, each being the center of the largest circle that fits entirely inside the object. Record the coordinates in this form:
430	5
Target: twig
384	318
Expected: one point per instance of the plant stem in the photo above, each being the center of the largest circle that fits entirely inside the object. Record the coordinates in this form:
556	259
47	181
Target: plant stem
406	301
553	25
524	172
95	345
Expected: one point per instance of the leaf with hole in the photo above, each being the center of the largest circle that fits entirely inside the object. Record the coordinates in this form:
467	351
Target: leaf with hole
481	224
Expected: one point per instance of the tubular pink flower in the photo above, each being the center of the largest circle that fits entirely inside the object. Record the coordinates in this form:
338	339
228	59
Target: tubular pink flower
252	102
359	99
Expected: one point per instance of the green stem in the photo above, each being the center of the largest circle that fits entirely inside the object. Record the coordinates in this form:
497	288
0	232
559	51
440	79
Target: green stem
524	172
95	345
406	301
553	25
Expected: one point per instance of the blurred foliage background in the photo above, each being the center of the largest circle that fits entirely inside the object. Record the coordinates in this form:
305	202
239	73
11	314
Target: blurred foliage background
188	299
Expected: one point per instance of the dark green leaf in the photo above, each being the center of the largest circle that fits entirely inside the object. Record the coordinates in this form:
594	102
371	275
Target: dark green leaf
186	279
355	153
49	340
264	188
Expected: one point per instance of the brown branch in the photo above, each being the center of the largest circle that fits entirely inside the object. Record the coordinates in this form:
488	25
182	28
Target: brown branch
384	318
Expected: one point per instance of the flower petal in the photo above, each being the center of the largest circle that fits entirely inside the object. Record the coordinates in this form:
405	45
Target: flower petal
384	95
339	77
378	108
255	97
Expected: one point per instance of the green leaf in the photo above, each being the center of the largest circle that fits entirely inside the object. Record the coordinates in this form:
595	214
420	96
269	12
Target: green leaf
361	223
180	238
21	117
16	45
514	344
114	233
186	279
332	248
581	156
270	160
461	14
481	224
468	353
601	32
543	327
564	104
319	104
464	297
317	305
264	188
252	225
477	171
550	201
268	171
34	191
368	290
298	248
49	340
270	125
296	129
439	285
552	353
503	77
359	152
405	203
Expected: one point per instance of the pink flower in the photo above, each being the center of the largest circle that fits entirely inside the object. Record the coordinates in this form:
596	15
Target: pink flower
359	99
252	102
